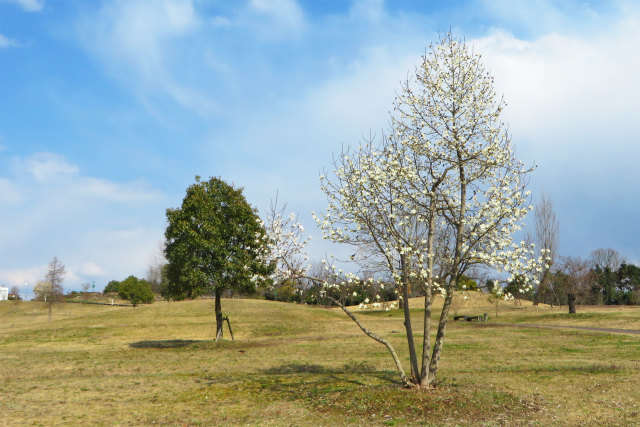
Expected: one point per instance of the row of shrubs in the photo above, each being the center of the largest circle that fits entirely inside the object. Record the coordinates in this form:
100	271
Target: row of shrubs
357	293
362	292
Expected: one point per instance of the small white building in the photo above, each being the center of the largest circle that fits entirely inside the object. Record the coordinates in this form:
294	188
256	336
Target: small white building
4	293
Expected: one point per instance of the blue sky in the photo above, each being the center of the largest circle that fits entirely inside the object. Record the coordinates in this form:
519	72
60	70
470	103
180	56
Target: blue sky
108	109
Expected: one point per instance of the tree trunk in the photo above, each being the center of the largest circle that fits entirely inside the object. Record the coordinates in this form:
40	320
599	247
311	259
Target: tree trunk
426	340
426	337
442	325
407	320
219	319
572	302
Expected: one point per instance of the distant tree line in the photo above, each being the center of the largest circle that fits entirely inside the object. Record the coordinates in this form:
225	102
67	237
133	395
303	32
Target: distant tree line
605	278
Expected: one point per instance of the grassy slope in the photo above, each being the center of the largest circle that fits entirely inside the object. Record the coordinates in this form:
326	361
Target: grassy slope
301	365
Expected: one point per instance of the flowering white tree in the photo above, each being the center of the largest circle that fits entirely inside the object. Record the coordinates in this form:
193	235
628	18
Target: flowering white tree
441	194
286	245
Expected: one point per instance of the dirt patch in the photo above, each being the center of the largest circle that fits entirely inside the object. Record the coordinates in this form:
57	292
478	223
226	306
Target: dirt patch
582	328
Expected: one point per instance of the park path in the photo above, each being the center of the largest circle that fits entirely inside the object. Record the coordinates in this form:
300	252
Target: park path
583	328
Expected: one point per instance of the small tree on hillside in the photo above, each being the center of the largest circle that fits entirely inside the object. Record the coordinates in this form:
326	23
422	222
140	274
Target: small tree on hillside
215	241
50	290
85	287
496	294
138	291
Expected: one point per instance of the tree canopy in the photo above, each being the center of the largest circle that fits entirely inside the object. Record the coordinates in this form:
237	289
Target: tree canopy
112	287
214	241
138	291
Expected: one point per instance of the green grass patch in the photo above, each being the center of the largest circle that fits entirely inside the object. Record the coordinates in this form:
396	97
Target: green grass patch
301	365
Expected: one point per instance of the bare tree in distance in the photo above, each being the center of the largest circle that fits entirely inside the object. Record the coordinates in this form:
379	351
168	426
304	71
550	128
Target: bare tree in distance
14	293
575	275
606	258
155	268
55	277
547	230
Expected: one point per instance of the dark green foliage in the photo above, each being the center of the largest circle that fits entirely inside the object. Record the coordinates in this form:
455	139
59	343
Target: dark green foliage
138	291
600	286
617	287
315	293
215	241
287	292
112	287
515	288
466	283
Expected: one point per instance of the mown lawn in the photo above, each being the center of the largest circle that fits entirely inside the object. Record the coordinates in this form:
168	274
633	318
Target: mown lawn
303	365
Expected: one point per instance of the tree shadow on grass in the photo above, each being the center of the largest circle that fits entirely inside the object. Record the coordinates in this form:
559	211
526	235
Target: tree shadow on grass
366	396
299	368
164	343
334	374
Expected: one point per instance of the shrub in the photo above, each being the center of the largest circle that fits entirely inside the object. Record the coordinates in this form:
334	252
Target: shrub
112	286
136	290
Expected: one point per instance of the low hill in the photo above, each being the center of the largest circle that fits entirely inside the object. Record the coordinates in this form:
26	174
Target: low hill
304	365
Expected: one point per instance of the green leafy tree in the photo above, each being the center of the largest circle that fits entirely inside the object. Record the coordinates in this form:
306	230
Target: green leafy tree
112	287
215	241
138	291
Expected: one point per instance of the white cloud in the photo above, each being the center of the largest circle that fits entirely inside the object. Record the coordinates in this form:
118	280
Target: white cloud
90	269
49	167
28	5
135	42
369	10
9	192
285	17
22	277
220	21
92	224
570	94
52	170
101	189
573	109
6	42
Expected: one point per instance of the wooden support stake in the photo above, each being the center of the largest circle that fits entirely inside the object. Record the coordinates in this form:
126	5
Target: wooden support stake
229	325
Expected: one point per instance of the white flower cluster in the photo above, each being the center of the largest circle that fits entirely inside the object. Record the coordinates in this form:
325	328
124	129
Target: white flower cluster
287	246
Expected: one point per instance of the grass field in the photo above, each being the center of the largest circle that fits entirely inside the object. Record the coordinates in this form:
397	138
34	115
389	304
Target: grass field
303	365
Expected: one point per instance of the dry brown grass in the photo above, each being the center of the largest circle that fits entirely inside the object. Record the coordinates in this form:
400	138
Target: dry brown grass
302	365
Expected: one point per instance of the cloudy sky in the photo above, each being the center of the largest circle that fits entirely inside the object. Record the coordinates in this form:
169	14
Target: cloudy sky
108	109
